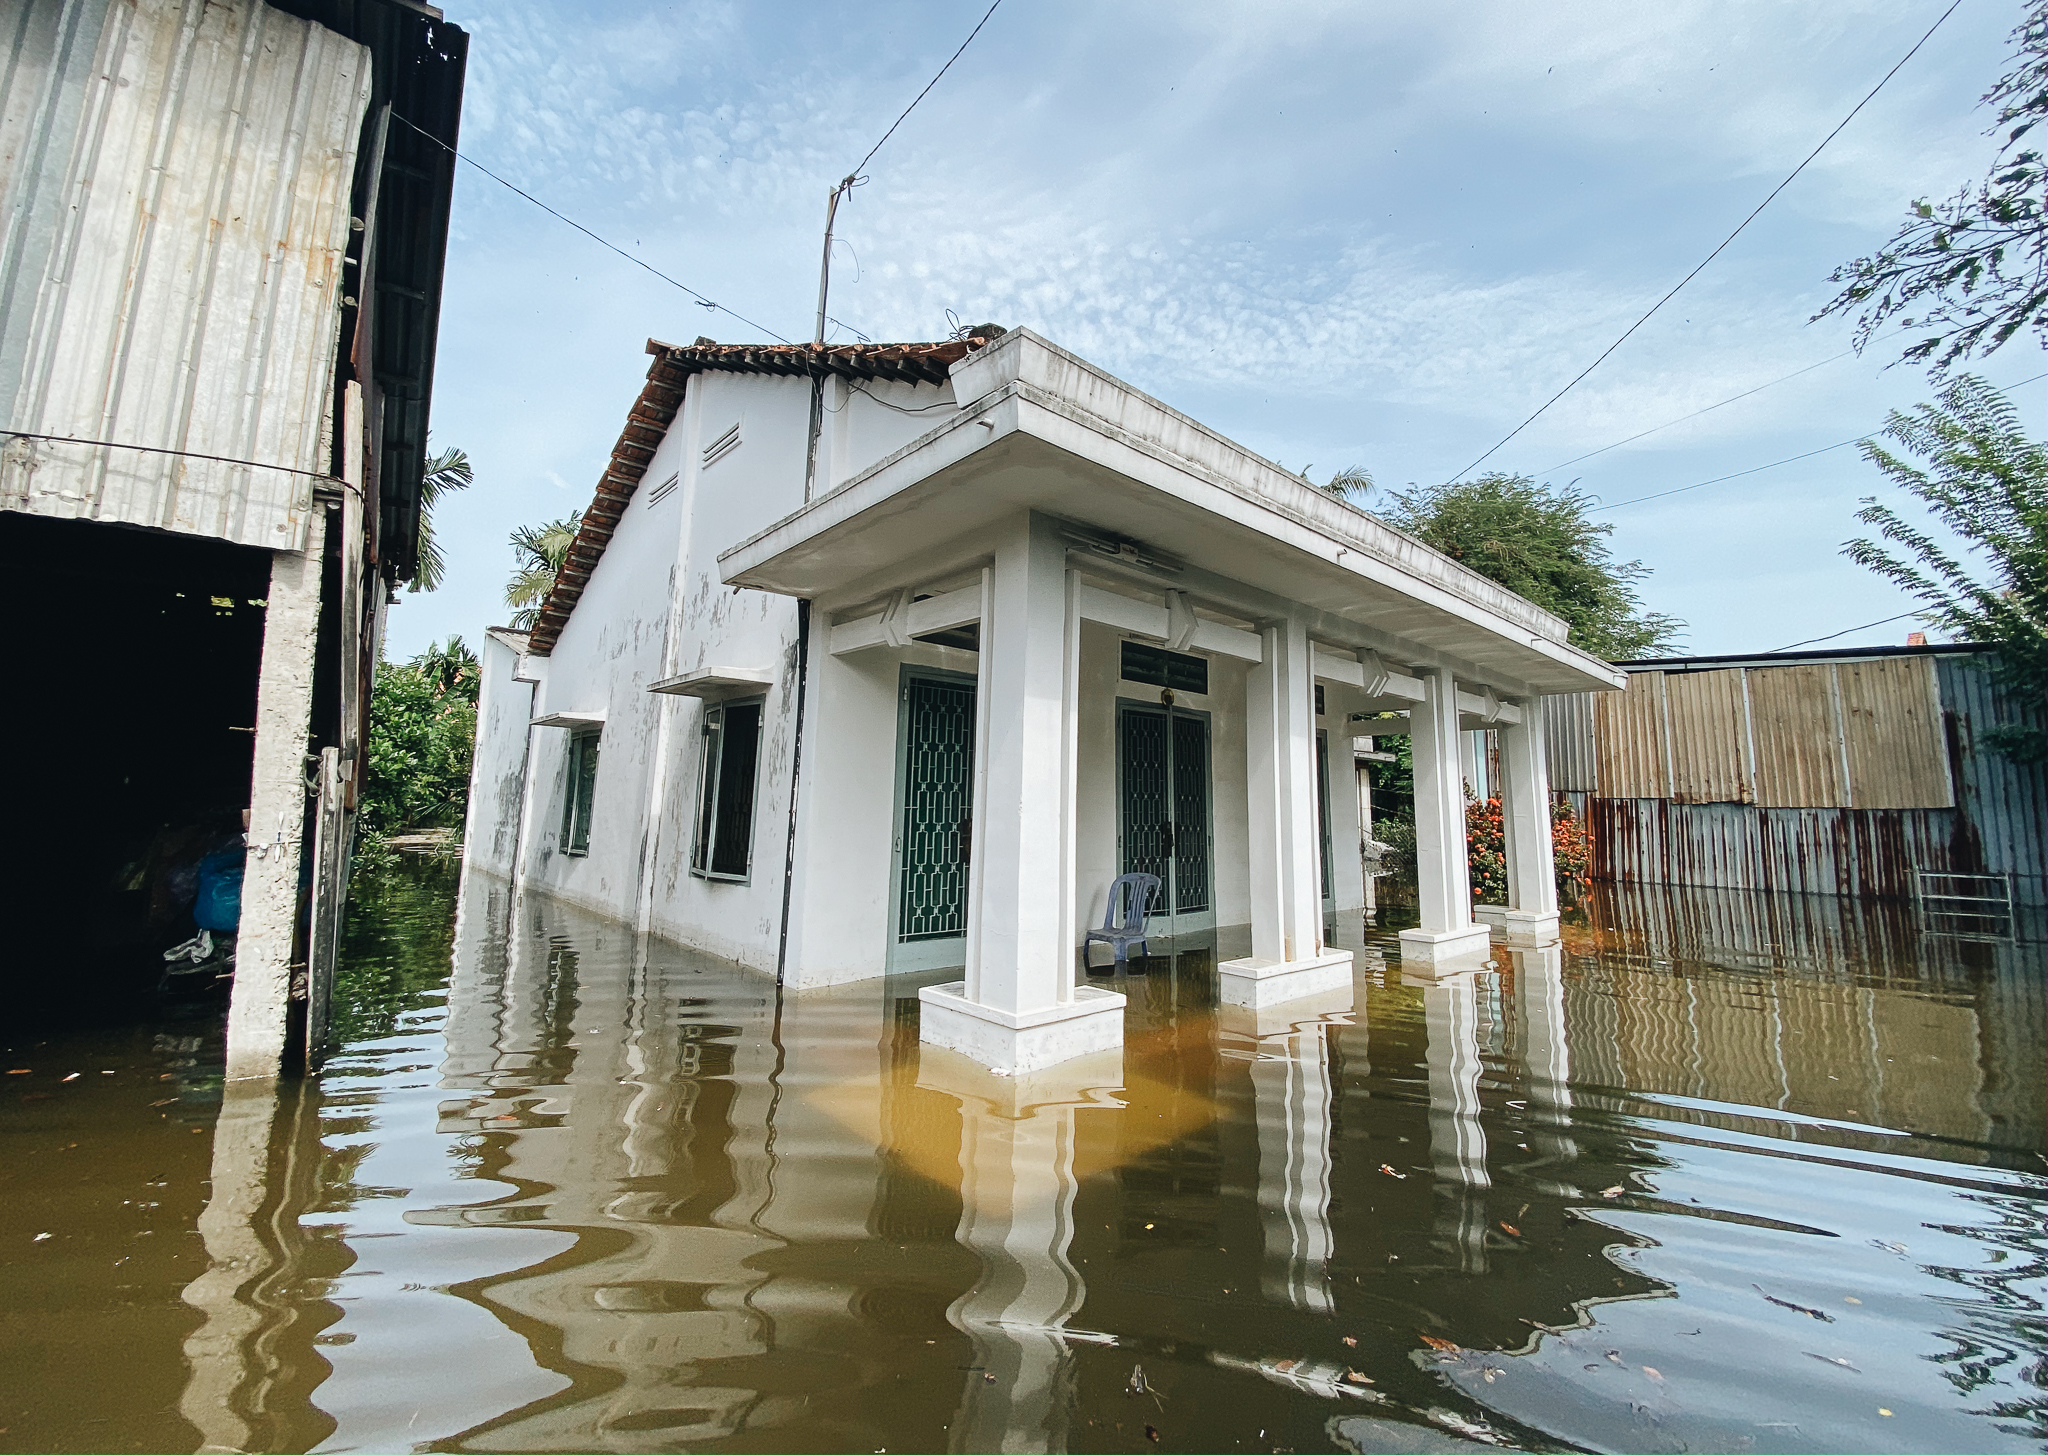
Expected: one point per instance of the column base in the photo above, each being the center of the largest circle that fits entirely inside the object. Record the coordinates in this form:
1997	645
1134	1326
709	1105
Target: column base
1465	949
1522	926
1254	983
1012	1045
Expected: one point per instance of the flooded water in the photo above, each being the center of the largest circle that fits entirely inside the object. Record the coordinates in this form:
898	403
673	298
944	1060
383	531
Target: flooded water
1717	1174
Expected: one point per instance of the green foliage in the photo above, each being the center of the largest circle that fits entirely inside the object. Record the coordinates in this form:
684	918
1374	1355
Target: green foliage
422	728
1539	543
1974	267
539	551
1987	483
446	473
396	939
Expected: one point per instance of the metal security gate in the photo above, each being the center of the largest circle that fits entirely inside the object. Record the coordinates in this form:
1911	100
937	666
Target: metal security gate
934	821
1163	821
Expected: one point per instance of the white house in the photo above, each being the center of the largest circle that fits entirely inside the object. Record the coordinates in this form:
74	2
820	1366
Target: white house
892	657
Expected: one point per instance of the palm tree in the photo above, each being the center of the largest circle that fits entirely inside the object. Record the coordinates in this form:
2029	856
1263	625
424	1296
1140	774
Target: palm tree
445	474
451	666
1349	484
540	550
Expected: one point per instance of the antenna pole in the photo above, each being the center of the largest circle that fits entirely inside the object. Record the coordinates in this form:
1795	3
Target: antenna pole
825	266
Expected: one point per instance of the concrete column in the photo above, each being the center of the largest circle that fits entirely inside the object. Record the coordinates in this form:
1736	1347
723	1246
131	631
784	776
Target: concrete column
1288	958
1457	1141
1447	935
1525	813
261	1004
1018	1008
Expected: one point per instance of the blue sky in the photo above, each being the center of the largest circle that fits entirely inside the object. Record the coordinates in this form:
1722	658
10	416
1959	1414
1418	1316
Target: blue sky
1342	234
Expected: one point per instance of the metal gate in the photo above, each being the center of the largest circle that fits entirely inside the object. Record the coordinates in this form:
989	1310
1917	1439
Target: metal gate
934	821
1163	822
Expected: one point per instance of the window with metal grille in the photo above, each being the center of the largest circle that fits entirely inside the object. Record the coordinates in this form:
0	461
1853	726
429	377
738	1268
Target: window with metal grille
582	788
725	792
1181	671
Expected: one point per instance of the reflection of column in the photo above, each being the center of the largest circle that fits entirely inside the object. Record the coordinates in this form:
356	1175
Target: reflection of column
1017	1215
1545	1055
1288	958
1457	1142
264	1157
1291	1096
1525	815
1446	934
1018	1008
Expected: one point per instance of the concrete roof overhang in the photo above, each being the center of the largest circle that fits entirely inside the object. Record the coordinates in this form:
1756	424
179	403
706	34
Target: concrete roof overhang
1042	430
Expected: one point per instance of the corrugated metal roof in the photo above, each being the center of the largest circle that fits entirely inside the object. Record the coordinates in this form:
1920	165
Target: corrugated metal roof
648	420
174	187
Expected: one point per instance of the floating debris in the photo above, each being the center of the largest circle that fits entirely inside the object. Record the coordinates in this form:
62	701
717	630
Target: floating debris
1442	1346
1392	1173
1137	1383
1831	1359
1797	1308
1459	1425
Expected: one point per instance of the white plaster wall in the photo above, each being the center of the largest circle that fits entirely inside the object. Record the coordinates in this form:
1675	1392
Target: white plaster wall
610	649
496	771
839	923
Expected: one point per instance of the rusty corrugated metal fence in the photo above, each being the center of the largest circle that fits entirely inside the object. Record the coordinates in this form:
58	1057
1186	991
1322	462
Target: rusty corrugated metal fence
1834	777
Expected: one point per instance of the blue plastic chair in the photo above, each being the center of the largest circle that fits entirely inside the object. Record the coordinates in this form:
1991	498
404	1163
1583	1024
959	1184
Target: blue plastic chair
1132	898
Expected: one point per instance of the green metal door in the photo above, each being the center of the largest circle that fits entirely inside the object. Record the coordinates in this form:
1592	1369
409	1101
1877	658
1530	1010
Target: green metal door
934	821
1163	821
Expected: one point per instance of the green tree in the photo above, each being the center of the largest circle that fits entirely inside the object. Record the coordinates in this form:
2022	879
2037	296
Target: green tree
1973	268
422	732
1539	543
446	473
1987	483
539	551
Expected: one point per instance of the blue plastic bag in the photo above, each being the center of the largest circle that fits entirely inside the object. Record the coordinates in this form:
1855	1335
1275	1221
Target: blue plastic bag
219	905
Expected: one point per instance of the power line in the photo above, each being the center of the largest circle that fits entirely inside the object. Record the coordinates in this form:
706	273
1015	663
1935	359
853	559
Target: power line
1722	245
629	257
1810	641
1788	460
927	91
65	439
1731	399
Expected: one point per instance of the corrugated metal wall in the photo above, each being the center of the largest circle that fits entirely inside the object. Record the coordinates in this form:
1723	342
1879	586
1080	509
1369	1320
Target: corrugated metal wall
1909	727
1568	742
175	201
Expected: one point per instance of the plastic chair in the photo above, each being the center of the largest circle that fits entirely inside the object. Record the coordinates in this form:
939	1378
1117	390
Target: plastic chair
1132	897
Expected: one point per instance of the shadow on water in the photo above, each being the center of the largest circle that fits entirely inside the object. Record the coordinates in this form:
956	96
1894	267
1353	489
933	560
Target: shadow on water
1715	1173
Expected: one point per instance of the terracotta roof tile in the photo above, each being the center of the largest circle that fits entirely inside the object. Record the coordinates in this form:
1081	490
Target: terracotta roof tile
661	399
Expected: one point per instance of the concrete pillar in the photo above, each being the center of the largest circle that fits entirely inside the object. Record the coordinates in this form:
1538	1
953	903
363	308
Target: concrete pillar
1525	815
1288	958
1457	1141
1446	936
1018	1008
260	1007
1017	1190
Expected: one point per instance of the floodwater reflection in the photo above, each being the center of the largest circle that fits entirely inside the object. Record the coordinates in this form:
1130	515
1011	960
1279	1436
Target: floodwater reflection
1709	1175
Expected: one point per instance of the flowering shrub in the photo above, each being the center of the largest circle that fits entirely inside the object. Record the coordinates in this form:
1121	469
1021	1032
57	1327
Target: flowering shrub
1572	851
1487	858
1486	851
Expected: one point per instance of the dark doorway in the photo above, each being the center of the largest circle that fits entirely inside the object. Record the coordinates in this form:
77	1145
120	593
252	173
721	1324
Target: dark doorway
128	740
